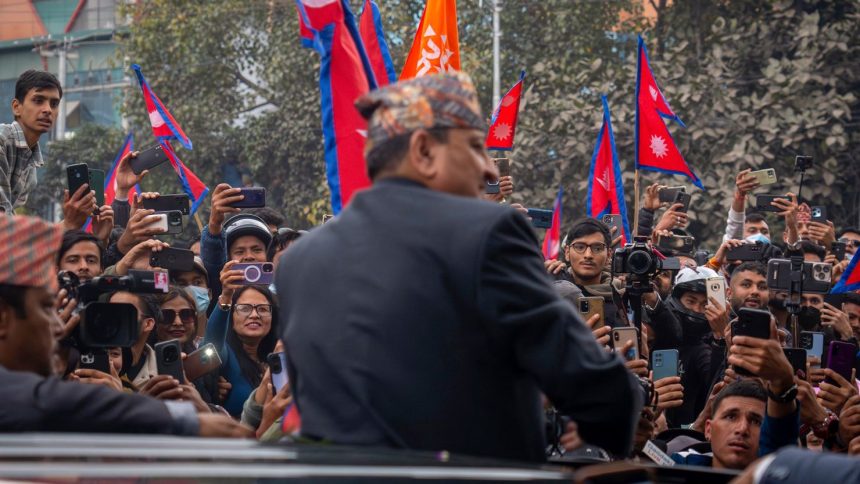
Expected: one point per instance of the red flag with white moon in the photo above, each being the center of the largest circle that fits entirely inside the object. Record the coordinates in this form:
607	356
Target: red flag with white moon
504	123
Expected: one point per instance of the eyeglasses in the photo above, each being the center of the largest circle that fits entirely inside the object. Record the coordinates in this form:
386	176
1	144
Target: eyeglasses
262	309
851	242
185	315
580	247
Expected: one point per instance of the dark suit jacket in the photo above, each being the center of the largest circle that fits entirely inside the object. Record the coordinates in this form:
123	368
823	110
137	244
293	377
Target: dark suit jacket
32	403
423	320
793	464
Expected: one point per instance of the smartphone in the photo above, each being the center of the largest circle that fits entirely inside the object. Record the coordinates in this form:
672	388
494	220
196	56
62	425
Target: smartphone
797	358
754	323
818	214
684	199
588	307
816	276
78	175
746	251
256	273
838	250
255	197
278	370
764	177
613	220
504	166
840	358
763	203
168	359
173	259
813	343
664	363
541	218
159	223
620	337
148	159
492	188
202	361
668	194
168	222
97	184
677	243
169	203
95	360
715	287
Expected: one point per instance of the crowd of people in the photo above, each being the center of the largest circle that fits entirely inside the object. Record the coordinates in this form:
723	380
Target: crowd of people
423	317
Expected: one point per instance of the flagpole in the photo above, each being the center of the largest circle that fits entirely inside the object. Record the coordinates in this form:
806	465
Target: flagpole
636	202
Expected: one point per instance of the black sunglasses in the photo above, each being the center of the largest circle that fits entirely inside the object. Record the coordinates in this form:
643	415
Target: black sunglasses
185	315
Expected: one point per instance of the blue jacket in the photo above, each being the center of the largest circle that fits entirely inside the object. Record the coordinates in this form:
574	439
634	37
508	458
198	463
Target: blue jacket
775	434
216	333
213	251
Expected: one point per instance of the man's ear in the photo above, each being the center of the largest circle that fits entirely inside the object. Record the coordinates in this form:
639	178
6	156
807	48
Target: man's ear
708	430
5	319
420	154
148	325
16	108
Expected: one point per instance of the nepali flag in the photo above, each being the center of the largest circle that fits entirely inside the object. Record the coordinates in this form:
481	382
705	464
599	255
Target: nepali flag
605	187
328	27
370	28
552	239
504	122
655	148
164	127
191	185
850	280
110	178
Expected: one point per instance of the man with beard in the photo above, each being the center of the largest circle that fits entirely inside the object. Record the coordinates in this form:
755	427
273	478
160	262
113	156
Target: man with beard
748	287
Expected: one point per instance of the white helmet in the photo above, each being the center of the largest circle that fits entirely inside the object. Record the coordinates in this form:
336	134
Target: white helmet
687	274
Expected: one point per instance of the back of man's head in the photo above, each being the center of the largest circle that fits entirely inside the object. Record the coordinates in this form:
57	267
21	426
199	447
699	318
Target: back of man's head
269	216
35	79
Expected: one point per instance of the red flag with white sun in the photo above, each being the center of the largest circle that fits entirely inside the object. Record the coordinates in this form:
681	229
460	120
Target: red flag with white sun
504	123
655	148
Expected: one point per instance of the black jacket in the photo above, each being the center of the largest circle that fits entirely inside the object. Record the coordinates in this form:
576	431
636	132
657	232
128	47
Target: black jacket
422	320
32	403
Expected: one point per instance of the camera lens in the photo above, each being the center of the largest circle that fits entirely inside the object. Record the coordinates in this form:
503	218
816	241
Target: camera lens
170	354
102	328
639	262
175	219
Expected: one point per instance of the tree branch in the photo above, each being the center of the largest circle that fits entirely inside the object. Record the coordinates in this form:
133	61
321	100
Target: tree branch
260	90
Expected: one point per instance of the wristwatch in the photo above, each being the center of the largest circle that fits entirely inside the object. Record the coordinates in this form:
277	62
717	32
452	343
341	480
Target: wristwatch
224	306
786	397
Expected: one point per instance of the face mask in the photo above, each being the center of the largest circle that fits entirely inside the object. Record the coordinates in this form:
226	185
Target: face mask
201	297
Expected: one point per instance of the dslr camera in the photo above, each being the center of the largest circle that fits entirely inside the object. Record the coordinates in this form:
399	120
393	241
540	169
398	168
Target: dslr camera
641	261
104	324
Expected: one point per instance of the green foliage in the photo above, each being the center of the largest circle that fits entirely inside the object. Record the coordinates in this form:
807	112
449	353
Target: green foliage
755	82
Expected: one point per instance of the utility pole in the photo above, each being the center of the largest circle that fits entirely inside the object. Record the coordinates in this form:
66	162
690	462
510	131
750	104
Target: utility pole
496	35
61	115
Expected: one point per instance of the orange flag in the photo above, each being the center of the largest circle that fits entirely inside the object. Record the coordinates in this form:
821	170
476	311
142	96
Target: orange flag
436	47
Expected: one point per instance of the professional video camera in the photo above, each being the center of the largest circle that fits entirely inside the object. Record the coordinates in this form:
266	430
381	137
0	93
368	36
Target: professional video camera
641	261
104	324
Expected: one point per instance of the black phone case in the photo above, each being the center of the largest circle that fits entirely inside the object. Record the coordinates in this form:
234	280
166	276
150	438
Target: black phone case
78	175
254	198
148	159
668	195
838	249
745	252
762	203
818	214
174	366
754	323
541	218
169	203
491	188
684	199
797	358
173	259
97	360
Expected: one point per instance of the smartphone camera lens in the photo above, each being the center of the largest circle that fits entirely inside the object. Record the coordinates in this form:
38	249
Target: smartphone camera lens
175	219
252	274
170	354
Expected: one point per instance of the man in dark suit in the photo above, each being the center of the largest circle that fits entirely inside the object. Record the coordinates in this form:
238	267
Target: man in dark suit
33	400
421	317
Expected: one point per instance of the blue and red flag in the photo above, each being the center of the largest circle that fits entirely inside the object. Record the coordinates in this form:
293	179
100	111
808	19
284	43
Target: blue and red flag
370	28
503	126
655	148
329	27
110	178
552	239
850	280
605	186
164	127
191	185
